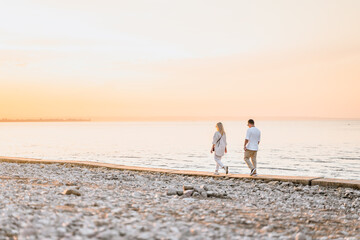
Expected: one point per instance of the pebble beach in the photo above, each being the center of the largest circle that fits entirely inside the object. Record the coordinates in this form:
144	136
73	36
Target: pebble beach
53	201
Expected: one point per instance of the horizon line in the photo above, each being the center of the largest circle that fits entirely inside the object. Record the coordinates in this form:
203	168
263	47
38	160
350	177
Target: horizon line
170	119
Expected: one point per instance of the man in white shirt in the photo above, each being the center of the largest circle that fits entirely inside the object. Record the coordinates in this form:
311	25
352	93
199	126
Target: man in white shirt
251	146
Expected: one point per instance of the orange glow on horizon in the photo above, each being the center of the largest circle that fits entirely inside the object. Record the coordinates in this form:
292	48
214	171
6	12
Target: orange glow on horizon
283	59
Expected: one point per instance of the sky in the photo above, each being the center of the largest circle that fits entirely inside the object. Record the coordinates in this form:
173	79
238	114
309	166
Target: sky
146	60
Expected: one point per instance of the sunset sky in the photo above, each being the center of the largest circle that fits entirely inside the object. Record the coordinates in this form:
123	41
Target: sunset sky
141	60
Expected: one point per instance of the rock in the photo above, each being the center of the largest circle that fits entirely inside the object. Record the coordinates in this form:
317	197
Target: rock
196	194
287	184
267	228
61	231
136	195
188	193
273	183
71	192
117	211
171	191
215	194
27	232
70	184
205	187
187	187
108	234
179	192
88	232
211	194
349	193
321	192
204	194
157	195
145	236
300	236
189	200
355	203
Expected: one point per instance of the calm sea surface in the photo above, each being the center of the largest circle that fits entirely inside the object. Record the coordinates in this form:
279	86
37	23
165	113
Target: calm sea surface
308	148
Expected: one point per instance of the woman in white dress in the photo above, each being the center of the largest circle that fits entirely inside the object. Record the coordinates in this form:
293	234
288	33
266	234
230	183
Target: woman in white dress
219	148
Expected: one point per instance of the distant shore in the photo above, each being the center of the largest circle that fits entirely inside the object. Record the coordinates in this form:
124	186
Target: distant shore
46	120
174	119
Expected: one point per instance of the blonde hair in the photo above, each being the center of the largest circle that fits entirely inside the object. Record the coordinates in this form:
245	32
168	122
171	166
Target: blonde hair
220	128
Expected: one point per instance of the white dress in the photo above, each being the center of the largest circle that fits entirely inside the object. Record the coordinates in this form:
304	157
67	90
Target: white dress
220	144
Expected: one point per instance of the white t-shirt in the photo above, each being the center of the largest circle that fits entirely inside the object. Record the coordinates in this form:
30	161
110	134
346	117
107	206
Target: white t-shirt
253	135
219	144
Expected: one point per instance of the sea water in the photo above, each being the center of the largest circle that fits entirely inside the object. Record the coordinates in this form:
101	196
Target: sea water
320	148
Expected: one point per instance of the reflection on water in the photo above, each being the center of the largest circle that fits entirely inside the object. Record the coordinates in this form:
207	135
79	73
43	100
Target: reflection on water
310	148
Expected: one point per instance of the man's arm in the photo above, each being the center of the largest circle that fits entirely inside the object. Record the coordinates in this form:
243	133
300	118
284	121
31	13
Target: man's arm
247	138
245	143
259	138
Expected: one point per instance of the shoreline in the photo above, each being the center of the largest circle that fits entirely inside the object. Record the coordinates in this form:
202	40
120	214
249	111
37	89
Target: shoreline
304	180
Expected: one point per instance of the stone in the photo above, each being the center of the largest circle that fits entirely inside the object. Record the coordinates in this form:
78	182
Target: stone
70	184
61	231
216	194
300	236
72	192
267	228
188	200
117	211
188	193
204	194
196	194
136	195
27	232
88	232
145	236
179	192
108	235
273	183
171	191
211	194
187	187
287	184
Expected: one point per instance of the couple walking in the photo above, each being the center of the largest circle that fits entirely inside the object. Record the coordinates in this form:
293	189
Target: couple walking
251	146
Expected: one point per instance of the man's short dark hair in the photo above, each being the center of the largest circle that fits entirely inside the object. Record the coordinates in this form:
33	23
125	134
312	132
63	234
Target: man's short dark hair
251	121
